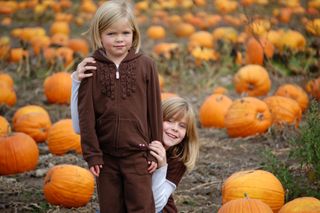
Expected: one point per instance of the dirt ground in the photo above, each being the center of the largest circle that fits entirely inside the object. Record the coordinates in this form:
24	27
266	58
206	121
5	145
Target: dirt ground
199	191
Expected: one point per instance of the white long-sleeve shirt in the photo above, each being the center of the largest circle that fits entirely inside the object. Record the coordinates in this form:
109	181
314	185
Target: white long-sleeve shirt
161	187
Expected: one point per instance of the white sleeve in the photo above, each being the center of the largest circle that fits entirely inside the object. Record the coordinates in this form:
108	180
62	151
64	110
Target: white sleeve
161	188
74	103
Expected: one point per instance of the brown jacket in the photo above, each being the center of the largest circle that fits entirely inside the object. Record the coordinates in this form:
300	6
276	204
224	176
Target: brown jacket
118	113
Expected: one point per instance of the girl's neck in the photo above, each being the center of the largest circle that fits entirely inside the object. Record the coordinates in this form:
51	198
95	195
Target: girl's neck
116	60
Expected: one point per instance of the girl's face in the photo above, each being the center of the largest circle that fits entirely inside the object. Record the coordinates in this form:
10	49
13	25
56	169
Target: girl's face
117	40
174	131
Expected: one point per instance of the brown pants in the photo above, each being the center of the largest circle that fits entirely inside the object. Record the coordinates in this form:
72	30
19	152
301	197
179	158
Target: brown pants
124	185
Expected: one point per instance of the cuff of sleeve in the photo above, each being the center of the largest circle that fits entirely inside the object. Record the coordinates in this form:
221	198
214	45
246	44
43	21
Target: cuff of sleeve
159	176
95	160
74	78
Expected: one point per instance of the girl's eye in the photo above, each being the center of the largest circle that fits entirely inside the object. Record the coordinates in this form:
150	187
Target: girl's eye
127	33
110	33
171	120
183	125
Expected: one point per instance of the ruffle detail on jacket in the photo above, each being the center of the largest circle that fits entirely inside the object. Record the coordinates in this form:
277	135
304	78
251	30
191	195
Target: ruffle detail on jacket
127	79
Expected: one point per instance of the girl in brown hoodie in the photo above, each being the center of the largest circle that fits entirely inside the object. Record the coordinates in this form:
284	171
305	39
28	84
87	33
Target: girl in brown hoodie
119	111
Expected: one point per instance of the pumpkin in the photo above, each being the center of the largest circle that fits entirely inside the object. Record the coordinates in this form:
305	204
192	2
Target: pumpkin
35	125
252	79
213	110
26	110
293	41
284	110
4	46
17	54
259	27
312	87
256	50
302	205
60	27
256	184
245	205
313	27
156	32
184	30
204	54
18	153
165	49
228	34
59	39
39	43
201	39
247	116
4	126
161	81
220	90
88	6
225	6
57	88
65	54
79	45
294	92
62	138
6	79
68	185
8	95
167	95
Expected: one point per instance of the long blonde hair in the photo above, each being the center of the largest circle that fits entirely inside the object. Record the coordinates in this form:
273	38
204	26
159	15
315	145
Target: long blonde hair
188	149
107	14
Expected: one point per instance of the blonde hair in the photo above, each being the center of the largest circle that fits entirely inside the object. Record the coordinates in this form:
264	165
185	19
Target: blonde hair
107	14
188	149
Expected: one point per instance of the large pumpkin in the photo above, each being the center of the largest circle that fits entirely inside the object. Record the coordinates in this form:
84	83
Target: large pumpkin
62	138
245	205
32	120
68	186
284	110
213	110
247	116
256	184
302	205
294	92
18	153
252	80
57	88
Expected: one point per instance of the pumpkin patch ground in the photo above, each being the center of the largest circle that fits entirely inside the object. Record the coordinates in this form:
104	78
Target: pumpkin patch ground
259	58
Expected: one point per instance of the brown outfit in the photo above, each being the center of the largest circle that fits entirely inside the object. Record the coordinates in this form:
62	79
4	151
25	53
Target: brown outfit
119	115
176	170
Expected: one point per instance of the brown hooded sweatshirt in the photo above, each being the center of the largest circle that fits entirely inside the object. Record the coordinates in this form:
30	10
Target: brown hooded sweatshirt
119	108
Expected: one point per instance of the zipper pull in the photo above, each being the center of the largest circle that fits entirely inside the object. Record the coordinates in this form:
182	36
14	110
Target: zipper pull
117	74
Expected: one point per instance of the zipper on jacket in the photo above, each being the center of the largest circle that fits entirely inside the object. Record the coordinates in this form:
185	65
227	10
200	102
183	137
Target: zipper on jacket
117	73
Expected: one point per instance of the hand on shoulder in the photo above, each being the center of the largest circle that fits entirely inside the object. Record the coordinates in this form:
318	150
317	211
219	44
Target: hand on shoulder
159	152
83	67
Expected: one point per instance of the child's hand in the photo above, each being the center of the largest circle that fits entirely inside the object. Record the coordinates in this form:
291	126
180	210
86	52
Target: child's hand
82	68
159	152
153	166
95	170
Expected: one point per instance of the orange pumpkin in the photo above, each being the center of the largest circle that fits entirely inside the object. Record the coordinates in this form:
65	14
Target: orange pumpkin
18	153
65	54
247	116
7	79
27	110
184	30
213	110
257	49
256	184
156	32
4	126
62	138
294	92
8	95
57	88
302	205
245	205
39	43
60	27
313	88
252	79
167	95
220	90
79	45
68	185
284	110
165	49
201	39
17	54
4	46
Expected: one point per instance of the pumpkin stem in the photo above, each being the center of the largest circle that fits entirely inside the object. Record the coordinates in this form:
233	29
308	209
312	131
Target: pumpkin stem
246	195
260	116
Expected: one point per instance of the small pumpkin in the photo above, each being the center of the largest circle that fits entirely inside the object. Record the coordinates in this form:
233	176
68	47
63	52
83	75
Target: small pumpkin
156	32
60	27
213	110
257	49
202	39
18	153
79	45
68	185
8	95
184	30
246	205
294	92
256	184
6	79
57	88
302	205
247	116
284	110
4	126
313	88
252	79
62	138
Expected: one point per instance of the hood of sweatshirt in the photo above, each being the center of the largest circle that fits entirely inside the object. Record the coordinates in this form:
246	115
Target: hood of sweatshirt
100	55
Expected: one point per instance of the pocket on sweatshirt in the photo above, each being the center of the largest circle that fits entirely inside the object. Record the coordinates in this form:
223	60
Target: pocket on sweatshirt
131	134
106	130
